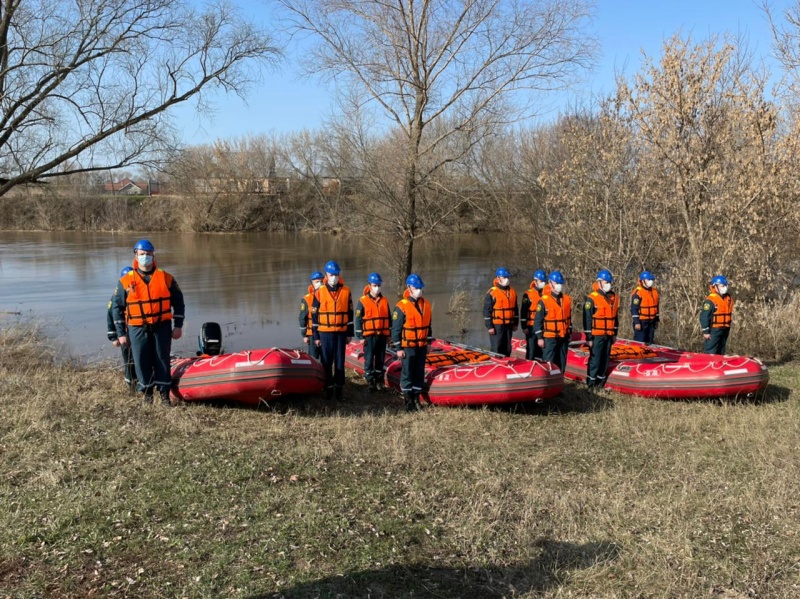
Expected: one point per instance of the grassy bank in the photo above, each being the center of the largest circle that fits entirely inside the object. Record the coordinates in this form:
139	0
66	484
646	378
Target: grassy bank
587	497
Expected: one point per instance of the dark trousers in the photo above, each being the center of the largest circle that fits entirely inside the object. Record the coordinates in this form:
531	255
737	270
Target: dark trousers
647	333
501	340
333	347
150	346
532	349
718	341
313	350
555	351
374	357
598	360
127	363
412	377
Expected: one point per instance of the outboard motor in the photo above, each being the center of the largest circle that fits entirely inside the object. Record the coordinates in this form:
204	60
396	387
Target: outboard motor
210	339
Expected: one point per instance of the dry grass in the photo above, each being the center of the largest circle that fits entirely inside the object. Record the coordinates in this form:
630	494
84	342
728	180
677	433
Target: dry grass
585	498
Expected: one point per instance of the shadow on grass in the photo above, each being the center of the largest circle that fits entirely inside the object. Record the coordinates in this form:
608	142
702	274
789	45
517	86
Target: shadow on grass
550	569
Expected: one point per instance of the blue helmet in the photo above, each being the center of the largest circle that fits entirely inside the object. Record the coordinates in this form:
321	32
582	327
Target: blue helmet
540	275
556	277
374	278
316	275
414	281
144	244
125	271
332	268
646	275
605	275
502	272
719	280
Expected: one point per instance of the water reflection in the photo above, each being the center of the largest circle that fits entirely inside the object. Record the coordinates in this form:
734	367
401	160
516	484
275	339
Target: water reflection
249	283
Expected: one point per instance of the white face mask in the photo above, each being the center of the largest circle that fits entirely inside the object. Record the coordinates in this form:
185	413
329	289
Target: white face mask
538	285
648	283
502	281
605	286
333	280
723	289
145	261
316	284
375	290
415	293
556	287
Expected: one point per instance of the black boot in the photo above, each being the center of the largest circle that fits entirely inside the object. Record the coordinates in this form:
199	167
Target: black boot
417	402
411	404
165	397
329	393
338	394
148	397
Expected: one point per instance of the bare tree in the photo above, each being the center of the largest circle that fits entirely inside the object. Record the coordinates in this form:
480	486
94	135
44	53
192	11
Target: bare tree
442	74
88	81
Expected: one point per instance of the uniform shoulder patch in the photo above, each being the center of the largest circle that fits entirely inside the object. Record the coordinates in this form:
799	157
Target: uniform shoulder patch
636	302
588	305
302	305
706	306
358	312
394	315
539	307
313	309
109	304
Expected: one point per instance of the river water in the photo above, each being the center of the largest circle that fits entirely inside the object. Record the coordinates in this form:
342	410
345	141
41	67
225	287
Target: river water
251	284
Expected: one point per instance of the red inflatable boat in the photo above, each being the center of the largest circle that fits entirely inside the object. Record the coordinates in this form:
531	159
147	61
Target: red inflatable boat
457	375
665	372
248	377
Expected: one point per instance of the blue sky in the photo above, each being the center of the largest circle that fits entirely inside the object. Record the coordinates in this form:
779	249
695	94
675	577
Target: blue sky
288	102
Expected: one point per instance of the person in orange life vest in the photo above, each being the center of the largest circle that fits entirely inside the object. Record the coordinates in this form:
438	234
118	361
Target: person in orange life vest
127	360
332	327
553	322
527	314
500	312
600	324
149	302
305	314
372	326
411	334
716	316
644	308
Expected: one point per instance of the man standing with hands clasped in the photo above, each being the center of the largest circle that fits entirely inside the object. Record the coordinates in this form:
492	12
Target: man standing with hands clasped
149	301
411	332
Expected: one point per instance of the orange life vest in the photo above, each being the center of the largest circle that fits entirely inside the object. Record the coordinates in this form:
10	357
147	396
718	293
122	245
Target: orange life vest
375	318
648	302
504	309
723	311
535	295
147	303
557	317
605	314
308	298
333	309
417	325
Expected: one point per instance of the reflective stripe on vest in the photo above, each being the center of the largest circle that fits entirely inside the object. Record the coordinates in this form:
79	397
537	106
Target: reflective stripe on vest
605	314
534	296
417	324
375	318
505	305
648	302
557	317
147	303
723	311
333	309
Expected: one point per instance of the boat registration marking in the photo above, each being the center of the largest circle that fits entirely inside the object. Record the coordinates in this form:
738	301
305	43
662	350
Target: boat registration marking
619	373
301	361
737	371
517	376
556	371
